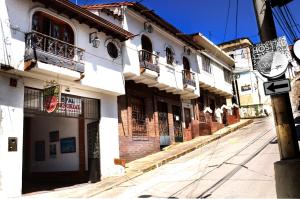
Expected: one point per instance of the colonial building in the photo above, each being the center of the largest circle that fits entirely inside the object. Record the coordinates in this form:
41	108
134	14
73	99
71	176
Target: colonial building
248	82
61	72
216	88
161	77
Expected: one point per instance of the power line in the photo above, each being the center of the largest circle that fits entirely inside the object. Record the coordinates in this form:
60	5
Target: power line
227	19
292	17
287	23
236	18
282	25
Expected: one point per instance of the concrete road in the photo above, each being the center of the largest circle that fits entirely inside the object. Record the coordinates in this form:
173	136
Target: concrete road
239	165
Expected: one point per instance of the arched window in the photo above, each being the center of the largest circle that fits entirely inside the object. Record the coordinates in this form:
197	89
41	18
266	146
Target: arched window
186	64
186	68
147	49
53	27
170	56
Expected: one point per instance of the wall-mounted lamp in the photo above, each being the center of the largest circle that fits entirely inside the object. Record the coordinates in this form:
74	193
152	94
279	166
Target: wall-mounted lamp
94	39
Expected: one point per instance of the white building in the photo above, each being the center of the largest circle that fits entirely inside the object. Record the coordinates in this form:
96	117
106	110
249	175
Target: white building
160	57
249	83
54	42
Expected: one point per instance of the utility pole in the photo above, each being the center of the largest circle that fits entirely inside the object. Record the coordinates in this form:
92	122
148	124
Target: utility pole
282	111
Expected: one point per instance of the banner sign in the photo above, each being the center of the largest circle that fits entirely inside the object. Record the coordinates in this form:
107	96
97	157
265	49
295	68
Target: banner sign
51	96
279	45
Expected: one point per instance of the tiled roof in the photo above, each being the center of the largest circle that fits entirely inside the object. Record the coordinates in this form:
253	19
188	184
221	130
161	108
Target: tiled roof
84	16
100	6
149	14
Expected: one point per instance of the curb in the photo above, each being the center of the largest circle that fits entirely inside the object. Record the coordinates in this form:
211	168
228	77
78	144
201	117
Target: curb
160	163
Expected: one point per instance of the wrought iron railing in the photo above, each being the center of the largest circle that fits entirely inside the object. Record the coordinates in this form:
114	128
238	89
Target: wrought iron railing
55	48
148	60
188	78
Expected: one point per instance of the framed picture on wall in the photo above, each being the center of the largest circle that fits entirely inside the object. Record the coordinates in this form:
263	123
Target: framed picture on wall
54	136
40	151
52	150
68	145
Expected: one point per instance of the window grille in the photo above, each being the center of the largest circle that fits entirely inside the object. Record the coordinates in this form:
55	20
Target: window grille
69	105
139	129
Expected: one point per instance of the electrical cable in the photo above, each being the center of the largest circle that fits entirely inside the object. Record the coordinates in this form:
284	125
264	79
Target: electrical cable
236	18
227	19
282	24
287	23
292	18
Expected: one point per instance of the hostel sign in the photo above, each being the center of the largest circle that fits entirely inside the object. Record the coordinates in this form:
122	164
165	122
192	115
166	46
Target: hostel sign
271	58
51	97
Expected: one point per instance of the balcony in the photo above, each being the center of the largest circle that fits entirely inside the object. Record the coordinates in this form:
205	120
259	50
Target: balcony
49	50
189	82
148	64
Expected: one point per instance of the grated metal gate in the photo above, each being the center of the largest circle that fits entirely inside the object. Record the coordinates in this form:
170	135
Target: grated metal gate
69	105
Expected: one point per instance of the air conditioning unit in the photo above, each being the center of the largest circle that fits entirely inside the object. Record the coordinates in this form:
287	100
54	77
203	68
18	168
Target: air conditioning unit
148	27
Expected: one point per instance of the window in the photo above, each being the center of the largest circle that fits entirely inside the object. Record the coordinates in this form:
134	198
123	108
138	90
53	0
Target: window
139	129
227	76
186	68
206	64
170	56
53	27
112	50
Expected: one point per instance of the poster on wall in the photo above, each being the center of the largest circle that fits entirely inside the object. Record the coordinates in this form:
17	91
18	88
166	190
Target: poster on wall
52	150
246	87
51	97
54	136
40	151
68	145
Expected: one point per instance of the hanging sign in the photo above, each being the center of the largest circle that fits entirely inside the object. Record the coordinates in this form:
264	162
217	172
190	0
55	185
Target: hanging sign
271	58
51	97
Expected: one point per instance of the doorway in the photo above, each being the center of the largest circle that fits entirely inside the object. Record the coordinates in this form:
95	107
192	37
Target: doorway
177	123
163	124
55	145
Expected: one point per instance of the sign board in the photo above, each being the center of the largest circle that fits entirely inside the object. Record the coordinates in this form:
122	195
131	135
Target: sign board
51	96
277	87
296	49
271	58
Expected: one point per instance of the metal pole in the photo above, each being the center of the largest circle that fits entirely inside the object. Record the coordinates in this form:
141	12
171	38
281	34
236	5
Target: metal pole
282	111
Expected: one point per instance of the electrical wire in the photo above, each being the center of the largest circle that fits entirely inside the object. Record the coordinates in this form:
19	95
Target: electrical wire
227	19
282	25
292	18
236	18
287	22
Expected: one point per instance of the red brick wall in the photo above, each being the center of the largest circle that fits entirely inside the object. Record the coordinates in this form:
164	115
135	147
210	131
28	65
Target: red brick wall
132	149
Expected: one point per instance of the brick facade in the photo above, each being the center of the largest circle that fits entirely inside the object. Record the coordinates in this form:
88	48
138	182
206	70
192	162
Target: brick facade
131	147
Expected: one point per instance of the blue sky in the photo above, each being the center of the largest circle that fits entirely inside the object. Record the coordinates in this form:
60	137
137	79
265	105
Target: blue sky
209	16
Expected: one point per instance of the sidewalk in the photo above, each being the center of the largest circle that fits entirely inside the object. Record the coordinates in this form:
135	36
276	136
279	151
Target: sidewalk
140	166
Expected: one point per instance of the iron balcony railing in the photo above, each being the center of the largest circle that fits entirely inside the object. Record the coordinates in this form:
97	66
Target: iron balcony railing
188	78
54	51
148	60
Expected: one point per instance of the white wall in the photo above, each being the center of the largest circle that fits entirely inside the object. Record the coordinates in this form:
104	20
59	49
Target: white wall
109	135
101	71
40	128
216	78
170	75
11	125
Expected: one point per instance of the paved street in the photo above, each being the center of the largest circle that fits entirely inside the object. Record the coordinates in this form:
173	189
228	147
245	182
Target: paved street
237	166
